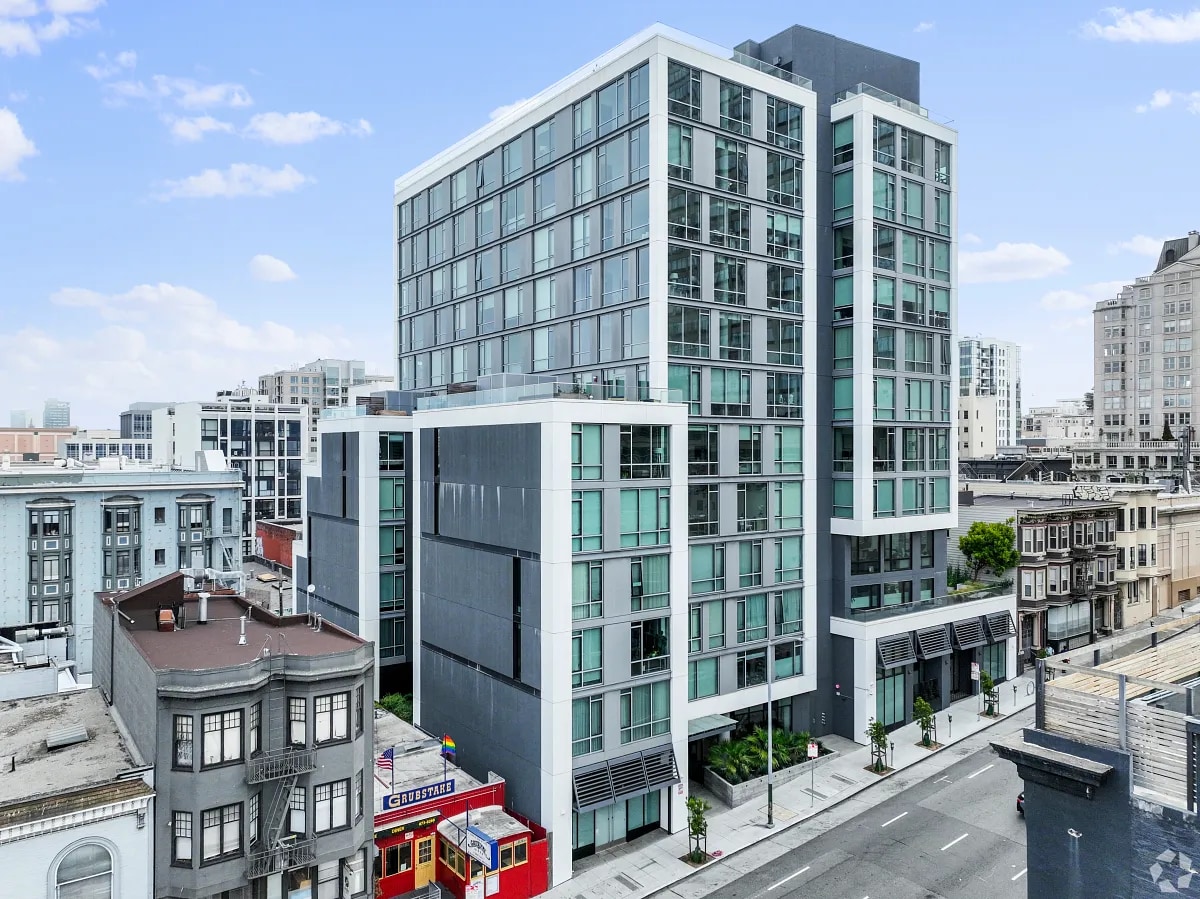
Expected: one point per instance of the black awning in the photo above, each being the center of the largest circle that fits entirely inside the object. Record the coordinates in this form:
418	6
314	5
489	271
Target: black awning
1000	626
968	633
896	651
933	642
625	778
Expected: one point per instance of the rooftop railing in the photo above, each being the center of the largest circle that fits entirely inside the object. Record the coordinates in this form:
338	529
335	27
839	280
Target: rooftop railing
869	90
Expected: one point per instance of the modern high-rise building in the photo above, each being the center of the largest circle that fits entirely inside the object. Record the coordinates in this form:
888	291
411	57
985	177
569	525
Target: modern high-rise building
767	234
322	384
20	418
56	414
137	422
1143	353
260	439
989	384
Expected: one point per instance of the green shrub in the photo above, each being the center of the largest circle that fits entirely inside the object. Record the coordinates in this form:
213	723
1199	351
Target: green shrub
399	705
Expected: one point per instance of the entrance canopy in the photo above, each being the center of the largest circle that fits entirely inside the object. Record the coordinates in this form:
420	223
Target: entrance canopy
710	726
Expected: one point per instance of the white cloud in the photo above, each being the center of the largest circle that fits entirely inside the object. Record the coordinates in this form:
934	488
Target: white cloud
268	268
193	129
924	26
1162	98
1010	262
300	127
18	96
971	239
106	68
1083	298
500	111
72	7
183	92
14	146
1146	26
24	31
239	180
169	337
17	38
1140	245
18	9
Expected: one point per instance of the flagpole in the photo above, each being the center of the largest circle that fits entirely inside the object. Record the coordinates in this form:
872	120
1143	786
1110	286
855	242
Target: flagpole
393	770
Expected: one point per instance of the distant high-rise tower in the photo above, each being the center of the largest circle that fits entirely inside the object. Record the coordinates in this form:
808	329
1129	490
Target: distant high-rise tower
20	418
56	414
990	385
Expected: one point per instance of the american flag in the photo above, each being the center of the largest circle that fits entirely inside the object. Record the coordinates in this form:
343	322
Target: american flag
385	760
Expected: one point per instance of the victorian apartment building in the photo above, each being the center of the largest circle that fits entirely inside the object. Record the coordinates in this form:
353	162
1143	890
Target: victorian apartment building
259	731
1089	557
71	532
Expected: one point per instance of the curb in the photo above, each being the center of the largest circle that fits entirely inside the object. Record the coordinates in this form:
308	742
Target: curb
839	801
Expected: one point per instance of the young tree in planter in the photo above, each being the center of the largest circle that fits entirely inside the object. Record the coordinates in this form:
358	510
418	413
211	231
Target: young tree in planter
991	695
990	545
697	828
923	713
878	737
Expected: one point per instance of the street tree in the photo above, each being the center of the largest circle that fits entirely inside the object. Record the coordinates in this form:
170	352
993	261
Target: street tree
990	545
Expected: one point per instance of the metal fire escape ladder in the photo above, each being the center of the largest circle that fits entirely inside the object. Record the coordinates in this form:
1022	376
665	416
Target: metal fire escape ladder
281	765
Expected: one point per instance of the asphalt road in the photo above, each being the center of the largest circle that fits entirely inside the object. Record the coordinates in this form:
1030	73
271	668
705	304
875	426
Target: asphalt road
955	834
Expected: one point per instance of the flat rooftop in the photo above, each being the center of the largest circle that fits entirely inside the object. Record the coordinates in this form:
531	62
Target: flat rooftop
26	723
417	759
491	819
199	647
1027	502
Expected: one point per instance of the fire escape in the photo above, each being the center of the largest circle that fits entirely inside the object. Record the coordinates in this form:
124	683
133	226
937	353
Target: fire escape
281	764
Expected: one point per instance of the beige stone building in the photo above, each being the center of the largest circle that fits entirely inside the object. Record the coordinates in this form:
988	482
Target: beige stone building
17	443
1178	549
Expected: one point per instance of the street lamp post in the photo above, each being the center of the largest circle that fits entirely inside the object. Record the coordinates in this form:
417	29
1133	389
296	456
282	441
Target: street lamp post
770	742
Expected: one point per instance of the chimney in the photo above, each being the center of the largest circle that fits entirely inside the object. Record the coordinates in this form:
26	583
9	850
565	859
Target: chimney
320	620
202	618
1193	240
242	635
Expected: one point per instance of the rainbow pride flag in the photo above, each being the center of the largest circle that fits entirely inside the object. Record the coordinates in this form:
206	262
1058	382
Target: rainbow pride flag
448	746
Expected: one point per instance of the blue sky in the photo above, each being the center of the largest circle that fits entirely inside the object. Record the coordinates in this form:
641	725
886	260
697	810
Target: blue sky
193	193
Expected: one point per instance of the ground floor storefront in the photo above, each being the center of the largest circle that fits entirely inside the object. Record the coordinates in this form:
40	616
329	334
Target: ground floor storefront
882	665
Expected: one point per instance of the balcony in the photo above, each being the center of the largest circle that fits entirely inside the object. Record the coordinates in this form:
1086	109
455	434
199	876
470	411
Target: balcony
294	852
1067	630
280	763
924	605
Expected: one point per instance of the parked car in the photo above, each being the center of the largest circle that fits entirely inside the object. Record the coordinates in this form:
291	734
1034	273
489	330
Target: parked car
1021	803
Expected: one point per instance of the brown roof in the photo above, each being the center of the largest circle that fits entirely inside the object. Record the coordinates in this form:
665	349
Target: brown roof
199	647
74	801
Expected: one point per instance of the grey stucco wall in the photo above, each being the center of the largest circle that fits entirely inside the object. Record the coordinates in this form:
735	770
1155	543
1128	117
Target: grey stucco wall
333	533
127	681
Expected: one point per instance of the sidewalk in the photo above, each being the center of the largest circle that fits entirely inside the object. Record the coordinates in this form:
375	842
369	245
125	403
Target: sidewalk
652	863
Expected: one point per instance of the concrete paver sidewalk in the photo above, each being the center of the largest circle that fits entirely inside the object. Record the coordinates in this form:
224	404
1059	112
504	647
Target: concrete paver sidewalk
650	864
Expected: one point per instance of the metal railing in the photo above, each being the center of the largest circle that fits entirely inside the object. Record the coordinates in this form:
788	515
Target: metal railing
870	90
294	852
279	763
937	602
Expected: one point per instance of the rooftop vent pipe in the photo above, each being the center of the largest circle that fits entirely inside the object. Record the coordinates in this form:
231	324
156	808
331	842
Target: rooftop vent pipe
203	619
242	635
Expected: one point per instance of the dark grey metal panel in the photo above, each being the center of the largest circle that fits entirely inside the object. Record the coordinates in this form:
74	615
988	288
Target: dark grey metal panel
495	725
896	651
467	605
968	633
933	642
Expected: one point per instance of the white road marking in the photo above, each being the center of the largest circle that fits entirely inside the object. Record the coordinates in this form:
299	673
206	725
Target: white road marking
980	771
789	877
1020	874
894	820
943	780
952	842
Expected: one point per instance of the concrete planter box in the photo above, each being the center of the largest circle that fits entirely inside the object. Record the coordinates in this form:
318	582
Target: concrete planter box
734	795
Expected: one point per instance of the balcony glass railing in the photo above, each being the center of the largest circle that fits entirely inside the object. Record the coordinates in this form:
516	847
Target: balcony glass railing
937	602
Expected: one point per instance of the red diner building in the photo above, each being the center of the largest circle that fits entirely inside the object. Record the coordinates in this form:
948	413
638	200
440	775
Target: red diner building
435	822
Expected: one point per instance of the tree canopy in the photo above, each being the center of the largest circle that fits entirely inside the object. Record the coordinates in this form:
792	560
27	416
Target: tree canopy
990	545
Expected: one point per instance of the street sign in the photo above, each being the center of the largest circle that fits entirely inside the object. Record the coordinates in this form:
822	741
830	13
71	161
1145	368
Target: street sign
813	749
974	671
